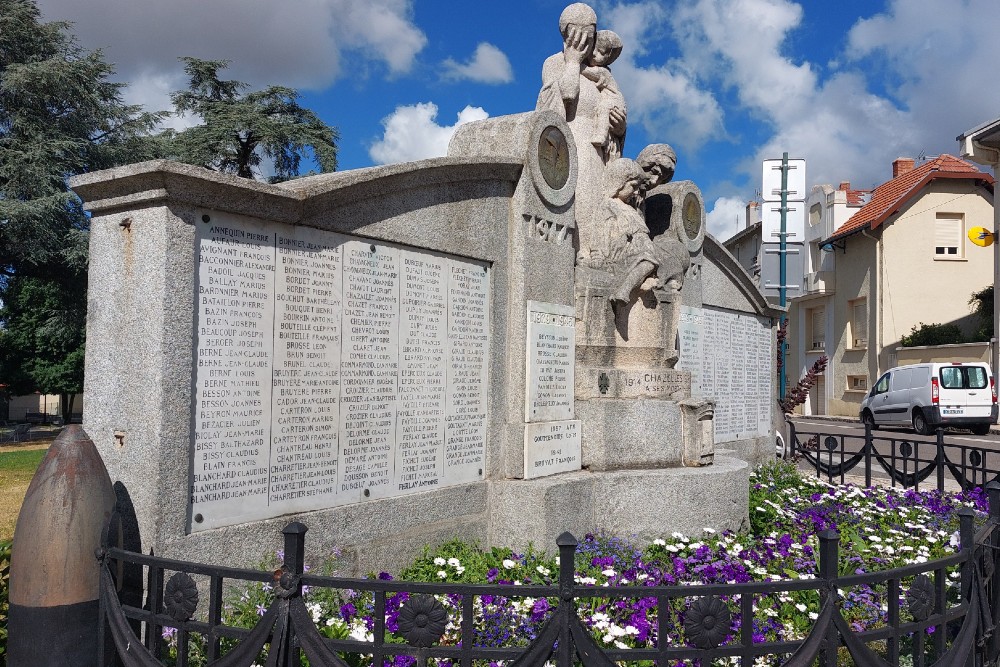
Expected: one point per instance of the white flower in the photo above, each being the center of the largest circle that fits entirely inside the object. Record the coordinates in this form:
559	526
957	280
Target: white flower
659	542
454	562
439	561
544	571
813	615
509	564
608	572
800	607
442	574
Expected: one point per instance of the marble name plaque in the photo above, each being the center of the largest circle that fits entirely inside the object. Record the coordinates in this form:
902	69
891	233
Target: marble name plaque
551	360
551	448
331	369
731	359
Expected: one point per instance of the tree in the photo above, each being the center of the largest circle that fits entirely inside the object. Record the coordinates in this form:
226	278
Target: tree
982	308
933	334
240	129
60	115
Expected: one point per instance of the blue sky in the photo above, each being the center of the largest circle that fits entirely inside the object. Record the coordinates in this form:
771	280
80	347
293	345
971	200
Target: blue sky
849	85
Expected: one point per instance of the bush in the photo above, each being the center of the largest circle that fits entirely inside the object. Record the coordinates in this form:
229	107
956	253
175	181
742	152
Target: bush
933	334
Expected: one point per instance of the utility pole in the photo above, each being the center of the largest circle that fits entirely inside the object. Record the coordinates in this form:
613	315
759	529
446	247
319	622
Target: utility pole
783	217
783	270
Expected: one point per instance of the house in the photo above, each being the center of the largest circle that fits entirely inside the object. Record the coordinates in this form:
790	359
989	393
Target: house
880	263
982	145
745	245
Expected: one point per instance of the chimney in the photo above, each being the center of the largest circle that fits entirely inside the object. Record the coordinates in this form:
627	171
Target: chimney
844	186
753	213
902	165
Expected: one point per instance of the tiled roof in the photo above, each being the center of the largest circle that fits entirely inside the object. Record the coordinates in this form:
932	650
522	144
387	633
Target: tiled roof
890	197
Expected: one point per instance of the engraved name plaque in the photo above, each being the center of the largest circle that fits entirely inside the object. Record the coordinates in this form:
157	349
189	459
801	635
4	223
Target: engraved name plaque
331	369
723	350
551	360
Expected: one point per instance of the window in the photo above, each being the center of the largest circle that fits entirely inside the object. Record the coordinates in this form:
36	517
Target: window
817	328
857	383
858	310
949	229
963	377
882	385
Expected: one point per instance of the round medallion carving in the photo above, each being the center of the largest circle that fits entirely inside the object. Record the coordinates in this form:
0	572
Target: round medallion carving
553	157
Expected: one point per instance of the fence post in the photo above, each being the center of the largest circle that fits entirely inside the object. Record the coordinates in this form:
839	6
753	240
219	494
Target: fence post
966	533
993	493
567	582
294	564
940	459
868	454
829	555
790	445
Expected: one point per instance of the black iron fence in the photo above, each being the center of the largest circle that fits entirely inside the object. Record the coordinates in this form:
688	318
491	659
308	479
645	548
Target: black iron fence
900	460
924	619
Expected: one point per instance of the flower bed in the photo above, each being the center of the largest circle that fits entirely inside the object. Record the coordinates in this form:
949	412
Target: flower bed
880	528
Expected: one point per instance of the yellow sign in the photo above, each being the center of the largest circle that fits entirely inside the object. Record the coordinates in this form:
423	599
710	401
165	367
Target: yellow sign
981	236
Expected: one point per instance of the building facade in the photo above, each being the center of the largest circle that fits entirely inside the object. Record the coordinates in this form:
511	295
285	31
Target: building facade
881	263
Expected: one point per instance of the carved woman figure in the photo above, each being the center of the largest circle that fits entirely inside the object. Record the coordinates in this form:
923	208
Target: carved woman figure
577	98
626	249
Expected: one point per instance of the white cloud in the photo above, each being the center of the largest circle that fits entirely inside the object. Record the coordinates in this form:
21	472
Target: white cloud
728	216
488	65
665	99
304	44
411	133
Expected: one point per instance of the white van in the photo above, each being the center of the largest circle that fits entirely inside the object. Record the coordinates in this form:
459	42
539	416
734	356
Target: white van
930	395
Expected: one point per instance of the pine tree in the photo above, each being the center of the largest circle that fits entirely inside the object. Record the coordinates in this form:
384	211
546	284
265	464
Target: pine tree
60	115
240	130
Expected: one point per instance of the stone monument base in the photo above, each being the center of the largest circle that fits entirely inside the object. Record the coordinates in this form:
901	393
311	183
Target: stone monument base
639	504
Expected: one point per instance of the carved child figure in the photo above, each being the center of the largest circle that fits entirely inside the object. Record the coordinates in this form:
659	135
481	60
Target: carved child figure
607	48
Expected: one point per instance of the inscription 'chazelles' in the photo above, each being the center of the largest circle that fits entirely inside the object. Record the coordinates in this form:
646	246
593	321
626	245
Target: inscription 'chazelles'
330	370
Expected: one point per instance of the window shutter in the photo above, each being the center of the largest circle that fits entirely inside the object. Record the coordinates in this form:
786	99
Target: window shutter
860	324
947	236
818	326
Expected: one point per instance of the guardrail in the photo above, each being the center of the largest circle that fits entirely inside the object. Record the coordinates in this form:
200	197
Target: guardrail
924	618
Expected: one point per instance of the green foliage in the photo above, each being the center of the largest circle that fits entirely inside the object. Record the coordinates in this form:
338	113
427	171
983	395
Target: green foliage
60	115
772	481
44	327
982	308
241	128
5	548
458	561
933	334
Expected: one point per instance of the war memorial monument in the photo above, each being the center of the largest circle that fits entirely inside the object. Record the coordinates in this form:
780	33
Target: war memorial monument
530	335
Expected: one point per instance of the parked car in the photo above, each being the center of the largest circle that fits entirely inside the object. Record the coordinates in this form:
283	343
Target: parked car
929	395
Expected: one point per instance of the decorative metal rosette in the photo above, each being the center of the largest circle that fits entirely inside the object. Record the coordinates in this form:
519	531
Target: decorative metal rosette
180	597
422	620
920	597
286	584
707	622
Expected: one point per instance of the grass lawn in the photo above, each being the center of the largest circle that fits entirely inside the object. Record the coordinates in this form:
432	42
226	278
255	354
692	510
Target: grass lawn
17	466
